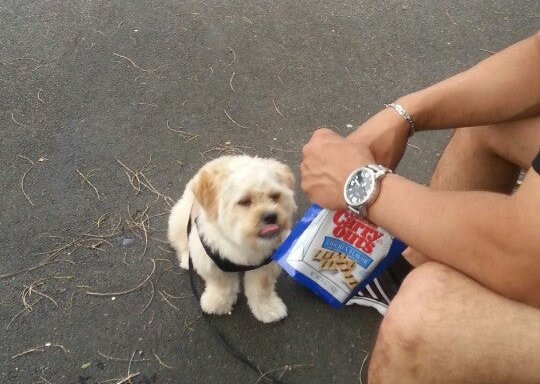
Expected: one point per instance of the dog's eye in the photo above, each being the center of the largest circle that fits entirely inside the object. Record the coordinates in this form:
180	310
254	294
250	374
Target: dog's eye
275	196
245	202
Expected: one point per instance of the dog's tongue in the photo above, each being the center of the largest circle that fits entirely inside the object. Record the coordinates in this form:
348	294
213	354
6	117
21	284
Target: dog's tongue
269	229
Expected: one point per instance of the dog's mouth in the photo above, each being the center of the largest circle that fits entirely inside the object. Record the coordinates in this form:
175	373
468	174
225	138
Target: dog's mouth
269	231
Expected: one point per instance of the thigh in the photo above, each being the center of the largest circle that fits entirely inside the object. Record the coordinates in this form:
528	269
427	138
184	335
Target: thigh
517	142
444	327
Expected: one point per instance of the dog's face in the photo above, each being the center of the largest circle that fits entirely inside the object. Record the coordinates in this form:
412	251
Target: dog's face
250	199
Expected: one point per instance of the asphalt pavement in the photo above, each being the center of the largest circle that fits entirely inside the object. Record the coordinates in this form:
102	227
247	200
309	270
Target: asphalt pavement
109	107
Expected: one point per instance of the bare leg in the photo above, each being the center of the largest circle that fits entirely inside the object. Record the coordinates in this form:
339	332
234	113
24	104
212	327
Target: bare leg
485	158
443	327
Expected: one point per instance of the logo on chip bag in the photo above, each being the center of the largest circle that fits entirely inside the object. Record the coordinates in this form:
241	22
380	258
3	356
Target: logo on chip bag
351	229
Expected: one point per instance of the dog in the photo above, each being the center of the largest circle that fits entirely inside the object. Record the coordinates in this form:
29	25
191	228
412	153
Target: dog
238	210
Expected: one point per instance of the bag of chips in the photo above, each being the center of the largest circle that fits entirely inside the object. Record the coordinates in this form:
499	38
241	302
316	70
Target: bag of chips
336	253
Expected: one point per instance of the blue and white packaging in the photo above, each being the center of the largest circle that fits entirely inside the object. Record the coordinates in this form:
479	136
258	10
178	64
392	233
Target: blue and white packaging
336	253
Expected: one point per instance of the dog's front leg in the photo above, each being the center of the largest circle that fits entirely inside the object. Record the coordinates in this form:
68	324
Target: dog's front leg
259	287
220	293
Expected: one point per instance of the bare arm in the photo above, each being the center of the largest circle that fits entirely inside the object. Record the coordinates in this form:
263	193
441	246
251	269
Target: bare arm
503	87
491	237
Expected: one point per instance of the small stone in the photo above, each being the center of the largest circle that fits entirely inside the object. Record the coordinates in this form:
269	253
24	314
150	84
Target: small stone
113	298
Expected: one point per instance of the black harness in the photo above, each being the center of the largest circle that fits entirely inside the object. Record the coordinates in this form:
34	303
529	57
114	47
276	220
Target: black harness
224	264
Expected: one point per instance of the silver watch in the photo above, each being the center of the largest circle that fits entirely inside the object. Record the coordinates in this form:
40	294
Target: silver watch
362	187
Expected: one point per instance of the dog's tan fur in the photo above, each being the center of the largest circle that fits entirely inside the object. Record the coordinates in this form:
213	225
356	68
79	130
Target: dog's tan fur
217	196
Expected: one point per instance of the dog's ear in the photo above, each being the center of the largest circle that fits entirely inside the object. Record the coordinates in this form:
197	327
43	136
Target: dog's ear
285	174
206	190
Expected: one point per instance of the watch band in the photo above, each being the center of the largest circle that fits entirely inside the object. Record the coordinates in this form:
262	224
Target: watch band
378	172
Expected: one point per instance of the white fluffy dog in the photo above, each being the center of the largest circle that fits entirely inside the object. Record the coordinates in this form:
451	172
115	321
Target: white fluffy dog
241	209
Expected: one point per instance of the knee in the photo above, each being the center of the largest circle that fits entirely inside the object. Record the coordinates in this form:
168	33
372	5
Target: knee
474	137
488	138
405	329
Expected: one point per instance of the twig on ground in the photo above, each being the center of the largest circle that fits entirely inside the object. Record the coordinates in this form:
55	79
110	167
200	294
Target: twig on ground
185	134
176	297
167	301
165	250
85	178
150	104
29	289
15	121
282	150
140	221
149	301
24	177
26	270
187	325
118	358
231	80
138	179
231	119
285	368
248	20
351	76
227	149
22	311
450	17
119	293
362	367
161	361
52	254
234	55
39	98
40	349
414	146
45	380
279	74
487	51
277	109
132	62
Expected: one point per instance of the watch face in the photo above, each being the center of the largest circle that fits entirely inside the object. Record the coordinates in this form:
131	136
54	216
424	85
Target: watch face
360	188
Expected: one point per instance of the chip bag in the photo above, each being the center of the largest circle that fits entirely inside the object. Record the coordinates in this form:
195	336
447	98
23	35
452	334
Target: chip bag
336	253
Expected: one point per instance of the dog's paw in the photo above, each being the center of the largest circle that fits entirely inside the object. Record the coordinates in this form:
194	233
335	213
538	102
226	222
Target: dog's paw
184	259
215	303
269	310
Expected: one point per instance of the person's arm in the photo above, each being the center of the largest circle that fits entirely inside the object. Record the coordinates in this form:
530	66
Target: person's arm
491	237
503	87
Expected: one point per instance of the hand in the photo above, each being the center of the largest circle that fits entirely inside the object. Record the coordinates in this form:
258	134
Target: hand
385	134
328	159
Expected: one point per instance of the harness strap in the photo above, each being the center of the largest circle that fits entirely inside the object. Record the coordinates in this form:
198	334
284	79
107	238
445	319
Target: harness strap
224	264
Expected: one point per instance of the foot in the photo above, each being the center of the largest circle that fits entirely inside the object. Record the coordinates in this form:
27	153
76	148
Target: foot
268	309
184	259
216	302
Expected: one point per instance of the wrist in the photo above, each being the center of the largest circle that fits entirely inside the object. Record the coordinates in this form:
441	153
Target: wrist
384	120
417	106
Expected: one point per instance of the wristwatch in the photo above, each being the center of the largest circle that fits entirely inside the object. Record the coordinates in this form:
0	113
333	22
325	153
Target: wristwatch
362	187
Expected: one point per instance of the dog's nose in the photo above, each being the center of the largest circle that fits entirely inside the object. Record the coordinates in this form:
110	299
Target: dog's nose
269	218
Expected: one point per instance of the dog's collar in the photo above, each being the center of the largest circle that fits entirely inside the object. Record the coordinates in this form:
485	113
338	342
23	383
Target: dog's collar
224	264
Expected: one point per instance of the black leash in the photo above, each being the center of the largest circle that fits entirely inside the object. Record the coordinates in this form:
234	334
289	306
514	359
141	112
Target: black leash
223	340
220	336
